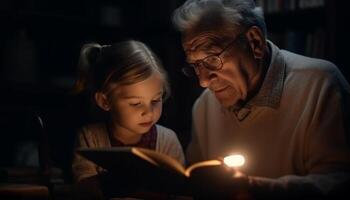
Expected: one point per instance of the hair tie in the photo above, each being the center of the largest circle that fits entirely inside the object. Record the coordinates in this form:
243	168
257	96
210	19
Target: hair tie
105	46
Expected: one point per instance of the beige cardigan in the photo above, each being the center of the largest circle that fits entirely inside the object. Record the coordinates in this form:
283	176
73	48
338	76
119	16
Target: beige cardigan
96	135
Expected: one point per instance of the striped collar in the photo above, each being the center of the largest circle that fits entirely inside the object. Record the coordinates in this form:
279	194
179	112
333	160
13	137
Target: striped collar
270	92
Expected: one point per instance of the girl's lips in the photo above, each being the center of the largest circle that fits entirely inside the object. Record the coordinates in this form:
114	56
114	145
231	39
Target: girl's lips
145	124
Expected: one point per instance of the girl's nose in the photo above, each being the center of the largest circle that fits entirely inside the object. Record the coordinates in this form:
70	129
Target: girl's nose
148	110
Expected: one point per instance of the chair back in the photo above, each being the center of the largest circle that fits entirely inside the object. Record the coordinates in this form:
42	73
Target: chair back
24	144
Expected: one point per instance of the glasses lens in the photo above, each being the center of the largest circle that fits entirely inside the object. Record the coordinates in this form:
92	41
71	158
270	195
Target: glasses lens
212	62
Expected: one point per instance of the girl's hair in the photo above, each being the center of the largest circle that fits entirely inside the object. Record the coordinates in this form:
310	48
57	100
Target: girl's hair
121	63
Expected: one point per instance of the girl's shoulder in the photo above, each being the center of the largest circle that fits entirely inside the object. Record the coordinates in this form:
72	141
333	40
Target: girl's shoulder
93	127
165	132
168	143
165	135
93	130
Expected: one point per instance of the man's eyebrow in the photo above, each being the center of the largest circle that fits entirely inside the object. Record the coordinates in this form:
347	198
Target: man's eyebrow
198	44
208	48
207	38
208	45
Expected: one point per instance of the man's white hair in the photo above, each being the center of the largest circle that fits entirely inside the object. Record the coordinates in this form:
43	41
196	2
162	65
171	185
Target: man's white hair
239	13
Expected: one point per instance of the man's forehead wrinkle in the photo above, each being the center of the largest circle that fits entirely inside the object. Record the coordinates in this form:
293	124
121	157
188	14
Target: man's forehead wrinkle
204	41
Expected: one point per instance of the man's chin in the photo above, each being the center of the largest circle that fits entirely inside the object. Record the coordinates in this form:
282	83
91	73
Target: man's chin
229	103
229	98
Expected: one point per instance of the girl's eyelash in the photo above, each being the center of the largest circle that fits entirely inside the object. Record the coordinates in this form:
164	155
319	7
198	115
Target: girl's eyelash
153	101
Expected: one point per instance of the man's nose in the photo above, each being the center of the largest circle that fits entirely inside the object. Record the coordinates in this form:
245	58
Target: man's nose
205	76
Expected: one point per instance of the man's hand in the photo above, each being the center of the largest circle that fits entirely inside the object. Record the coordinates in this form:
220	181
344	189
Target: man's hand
219	182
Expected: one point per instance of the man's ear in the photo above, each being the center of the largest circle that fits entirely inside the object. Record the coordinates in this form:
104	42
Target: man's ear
256	41
102	101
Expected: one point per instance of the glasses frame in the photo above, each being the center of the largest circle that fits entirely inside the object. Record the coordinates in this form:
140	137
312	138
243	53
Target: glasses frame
194	67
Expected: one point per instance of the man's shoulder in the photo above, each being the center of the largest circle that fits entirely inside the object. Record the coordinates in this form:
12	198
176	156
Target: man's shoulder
204	97
299	64
206	100
205	94
310	71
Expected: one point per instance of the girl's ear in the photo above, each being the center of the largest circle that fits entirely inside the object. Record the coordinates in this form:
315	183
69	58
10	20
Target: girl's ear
256	41
102	101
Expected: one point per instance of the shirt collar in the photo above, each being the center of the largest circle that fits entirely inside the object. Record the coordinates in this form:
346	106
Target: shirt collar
148	140
271	90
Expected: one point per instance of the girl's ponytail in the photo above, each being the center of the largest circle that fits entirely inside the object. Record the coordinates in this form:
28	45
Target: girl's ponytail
89	55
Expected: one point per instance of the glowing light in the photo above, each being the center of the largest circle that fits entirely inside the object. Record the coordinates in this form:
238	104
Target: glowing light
234	160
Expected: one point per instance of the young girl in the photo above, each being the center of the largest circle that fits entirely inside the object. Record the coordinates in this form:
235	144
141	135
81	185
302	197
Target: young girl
129	85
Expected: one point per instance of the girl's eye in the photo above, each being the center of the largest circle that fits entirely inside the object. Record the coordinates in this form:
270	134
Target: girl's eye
134	104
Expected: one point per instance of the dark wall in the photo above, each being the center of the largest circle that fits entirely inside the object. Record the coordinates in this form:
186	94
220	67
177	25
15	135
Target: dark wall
342	38
39	48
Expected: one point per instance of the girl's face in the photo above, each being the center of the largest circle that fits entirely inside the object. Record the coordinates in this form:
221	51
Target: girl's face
135	108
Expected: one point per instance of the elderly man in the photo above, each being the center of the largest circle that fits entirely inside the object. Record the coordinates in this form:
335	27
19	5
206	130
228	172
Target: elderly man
287	113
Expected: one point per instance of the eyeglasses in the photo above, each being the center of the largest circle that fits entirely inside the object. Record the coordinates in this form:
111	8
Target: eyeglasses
212	62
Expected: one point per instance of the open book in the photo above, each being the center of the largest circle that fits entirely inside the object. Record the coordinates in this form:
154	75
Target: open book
144	165
113	158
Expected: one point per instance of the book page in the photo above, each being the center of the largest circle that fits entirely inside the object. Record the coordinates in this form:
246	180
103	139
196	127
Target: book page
201	164
159	159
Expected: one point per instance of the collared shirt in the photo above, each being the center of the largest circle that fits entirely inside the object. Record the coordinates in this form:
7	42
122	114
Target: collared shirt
271	90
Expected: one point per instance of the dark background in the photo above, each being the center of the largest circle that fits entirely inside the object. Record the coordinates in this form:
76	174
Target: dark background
40	42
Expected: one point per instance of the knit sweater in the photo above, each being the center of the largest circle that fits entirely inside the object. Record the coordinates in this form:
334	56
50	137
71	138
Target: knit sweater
297	124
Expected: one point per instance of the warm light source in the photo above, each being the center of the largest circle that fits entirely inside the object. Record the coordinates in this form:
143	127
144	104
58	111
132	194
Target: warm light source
236	160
